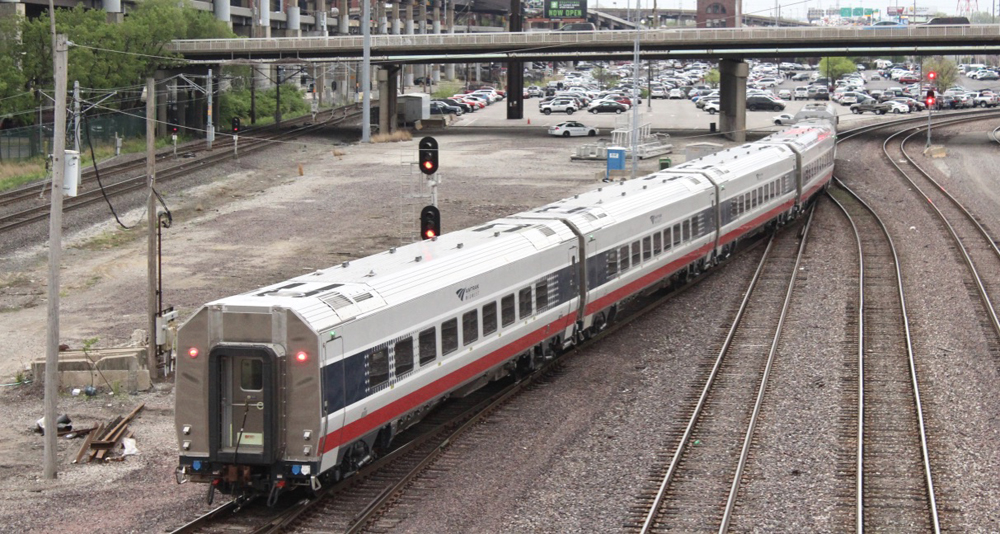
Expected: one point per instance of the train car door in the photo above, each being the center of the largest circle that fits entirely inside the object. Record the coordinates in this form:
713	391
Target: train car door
334	389
245	405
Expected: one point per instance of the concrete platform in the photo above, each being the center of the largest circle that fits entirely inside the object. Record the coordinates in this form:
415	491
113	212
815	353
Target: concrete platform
104	369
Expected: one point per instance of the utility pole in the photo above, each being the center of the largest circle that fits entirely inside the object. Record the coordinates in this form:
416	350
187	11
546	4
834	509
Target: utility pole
277	106
210	136
366	75
60	54
635	94
76	116
253	96
151	220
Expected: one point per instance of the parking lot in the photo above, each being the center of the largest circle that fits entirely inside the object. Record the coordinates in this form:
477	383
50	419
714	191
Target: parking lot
675	114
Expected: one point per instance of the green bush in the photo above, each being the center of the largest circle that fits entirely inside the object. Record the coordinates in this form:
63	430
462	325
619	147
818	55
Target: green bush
236	103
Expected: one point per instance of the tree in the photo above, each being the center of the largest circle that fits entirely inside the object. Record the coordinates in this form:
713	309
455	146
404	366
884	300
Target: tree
946	70
13	96
982	17
835	67
712	78
113	56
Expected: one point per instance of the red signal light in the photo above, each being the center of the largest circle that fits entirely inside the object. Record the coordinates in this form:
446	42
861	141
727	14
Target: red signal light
931	75
301	356
193	352
930	101
429	234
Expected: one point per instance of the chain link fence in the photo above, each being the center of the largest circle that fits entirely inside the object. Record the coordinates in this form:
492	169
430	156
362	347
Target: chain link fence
31	141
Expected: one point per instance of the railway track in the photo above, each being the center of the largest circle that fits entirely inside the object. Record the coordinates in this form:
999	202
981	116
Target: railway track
122	185
977	248
894	490
694	487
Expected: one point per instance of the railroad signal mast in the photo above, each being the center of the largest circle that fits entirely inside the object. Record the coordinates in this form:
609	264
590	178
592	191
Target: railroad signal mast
931	101
430	217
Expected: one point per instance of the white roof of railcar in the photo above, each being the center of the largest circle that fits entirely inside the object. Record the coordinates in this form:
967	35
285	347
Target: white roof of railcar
801	135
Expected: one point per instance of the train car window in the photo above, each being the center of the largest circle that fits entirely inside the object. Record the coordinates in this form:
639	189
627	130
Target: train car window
636	252
542	295
524	302
449	336
657	243
687	230
470	327
428	346
647	249
612	262
489	318
507	310
403	356
251	375
677	234
667	242
753	199
623	256
378	367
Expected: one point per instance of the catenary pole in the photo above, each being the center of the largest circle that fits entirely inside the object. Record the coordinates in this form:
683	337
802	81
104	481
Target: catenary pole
151	303
366	75
60	53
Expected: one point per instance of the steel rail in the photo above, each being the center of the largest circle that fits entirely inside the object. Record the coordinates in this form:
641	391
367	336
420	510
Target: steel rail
980	286
703	399
752	425
859	509
924	449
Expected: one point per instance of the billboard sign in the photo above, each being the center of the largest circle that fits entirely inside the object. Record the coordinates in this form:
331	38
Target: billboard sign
565	9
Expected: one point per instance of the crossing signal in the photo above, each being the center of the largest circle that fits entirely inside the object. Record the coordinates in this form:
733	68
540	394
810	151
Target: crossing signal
430	222
236	125
427	151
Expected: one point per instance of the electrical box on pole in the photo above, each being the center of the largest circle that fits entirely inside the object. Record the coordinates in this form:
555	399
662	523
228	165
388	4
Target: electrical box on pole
71	175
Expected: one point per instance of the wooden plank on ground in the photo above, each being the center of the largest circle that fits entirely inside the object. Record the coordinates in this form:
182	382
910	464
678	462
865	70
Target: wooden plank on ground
86	444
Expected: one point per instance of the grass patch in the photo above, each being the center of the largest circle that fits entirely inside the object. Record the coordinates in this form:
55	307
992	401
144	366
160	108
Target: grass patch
111	239
447	89
398	135
18	173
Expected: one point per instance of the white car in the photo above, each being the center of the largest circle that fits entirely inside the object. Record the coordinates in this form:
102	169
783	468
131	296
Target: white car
801	93
573	129
675	93
784	119
560	104
711	107
896	107
785	94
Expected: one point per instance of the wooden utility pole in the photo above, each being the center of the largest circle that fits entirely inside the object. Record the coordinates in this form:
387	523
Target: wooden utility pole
60	54
151	221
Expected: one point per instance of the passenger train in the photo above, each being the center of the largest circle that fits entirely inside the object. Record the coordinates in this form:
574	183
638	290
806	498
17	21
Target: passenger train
307	380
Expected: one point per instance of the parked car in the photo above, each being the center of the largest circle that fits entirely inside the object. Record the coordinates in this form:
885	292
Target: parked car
785	94
895	106
572	129
912	103
819	92
784	119
465	107
607	106
755	102
712	107
675	93
560	104
440	108
801	93
870	106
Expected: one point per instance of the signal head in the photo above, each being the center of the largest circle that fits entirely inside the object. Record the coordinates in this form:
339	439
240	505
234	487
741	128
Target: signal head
430	222
427	152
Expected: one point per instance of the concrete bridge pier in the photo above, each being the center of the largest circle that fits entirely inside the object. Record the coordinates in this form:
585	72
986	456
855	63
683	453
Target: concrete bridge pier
387	89
436	25
395	18
449	10
422	71
733	99
343	17
408	25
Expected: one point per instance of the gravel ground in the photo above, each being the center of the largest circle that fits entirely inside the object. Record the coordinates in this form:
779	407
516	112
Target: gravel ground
792	474
567	457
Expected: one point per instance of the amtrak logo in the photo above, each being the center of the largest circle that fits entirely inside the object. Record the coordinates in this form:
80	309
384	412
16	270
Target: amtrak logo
653	219
467	293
